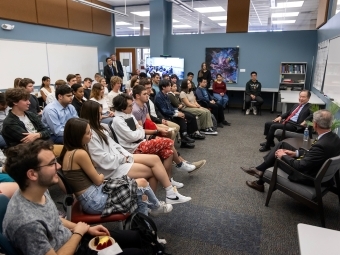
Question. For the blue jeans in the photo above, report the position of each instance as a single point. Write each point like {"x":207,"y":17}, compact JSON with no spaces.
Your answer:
{"x":222,"y":100}
{"x":151,"y":201}
{"x":57,"y":139}
{"x":3,"y":144}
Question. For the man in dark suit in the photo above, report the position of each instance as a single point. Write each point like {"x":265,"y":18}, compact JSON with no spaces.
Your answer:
{"x":298,"y":114}
{"x":109,"y":71}
{"x":118,"y":65}
{"x":308,"y":162}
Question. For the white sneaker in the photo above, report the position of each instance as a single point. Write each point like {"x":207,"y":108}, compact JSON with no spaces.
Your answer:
{"x":210,"y":132}
{"x":247,"y":111}
{"x":254,"y":110}
{"x":162,"y":209}
{"x":186,"y":167}
{"x":177,"y":199}
{"x":197,"y":164}
{"x":178,"y":185}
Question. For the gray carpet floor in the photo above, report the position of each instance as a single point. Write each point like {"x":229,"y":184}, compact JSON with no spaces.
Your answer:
{"x":224,"y":215}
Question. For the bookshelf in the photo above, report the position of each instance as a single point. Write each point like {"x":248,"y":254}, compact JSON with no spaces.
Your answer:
{"x":293,"y":75}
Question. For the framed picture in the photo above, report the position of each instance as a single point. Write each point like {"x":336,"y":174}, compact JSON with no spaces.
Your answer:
{"x":223,"y":61}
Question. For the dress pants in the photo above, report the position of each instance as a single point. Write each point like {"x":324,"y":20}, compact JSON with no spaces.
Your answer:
{"x":191,"y":122}
{"x":217,"y":110}
{"x":258,"y":99}
{"x":270,"y":158}
{"x":270,"y":128}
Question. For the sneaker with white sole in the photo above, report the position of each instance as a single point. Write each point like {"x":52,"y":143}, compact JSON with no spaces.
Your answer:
{"x":254,"y":110}
{"x":197,"y":164}
{"x":186,"y":167}
{"x":210,"y":132}
{"x":177,"y":199}
{"x":178,"y":185}
{"x":162,"y":209}
{"x":247,"y":111}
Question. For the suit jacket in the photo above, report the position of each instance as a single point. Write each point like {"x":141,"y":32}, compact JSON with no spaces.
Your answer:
{"x":108,"y":74}
{"x":305,"y":114}
{"x":327,"y":147}
{"x":120,"y":69}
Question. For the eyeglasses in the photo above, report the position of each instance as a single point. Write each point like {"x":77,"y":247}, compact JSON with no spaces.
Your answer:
{"x":54,"y":162}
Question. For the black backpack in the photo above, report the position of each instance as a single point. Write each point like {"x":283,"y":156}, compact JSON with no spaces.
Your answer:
{"x":148,"y":232}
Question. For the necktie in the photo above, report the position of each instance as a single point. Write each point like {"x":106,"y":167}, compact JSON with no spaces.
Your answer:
{"x":292,"y":114}
{"x":112,"y":70}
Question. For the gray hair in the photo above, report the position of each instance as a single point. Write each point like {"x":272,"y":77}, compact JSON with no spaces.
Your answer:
{"x":323,"y":118}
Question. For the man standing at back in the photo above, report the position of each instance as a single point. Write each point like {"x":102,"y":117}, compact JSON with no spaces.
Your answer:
{"x":57,"y":113}
{"x":298,"y":115}
{"x":118,"y":65}
{"x":109,"y":71}
{"x":253,"y":93}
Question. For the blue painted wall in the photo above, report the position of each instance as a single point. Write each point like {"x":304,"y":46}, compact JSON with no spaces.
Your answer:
{"x":132,"y":41}
{"x":39,"y":33}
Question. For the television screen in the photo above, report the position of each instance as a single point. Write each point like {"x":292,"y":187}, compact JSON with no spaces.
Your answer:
{"x":165,"y":66}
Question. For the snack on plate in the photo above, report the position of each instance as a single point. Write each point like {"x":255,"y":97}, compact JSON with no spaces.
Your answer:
{"x":102,"y":242}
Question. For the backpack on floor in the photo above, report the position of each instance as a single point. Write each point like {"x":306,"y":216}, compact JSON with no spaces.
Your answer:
{"x":148,"y":232}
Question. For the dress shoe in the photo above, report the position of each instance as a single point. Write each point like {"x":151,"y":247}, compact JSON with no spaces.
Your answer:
{"x":187,"y":145}
{"x":220,"y":125}
{"x":264,"y":148}
{"x":264,"y":144}
{"x":186,"y":139}
{"x":254,"y":185}
{"x":197,"y":136}
{"x":226,"y":123}
{"x":252,"y":171}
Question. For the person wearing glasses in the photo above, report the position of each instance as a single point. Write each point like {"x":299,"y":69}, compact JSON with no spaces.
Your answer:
{"x":21,"y":125}
{"x":32,"y":223}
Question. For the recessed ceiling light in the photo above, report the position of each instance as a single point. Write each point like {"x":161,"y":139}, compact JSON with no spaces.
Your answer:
{"x":218,"y":18}
{"x":142,"y":14}
{"x":288,"y":4}
{"x":174,"y":21}
{"x":222,"y":24}
{"x":283,"y":21}
{"x":122,"y":23}
{"x":210,"y":9}
{"x":137,"y":28}
{"x":181,"y":26}
{"x":285,"y":14}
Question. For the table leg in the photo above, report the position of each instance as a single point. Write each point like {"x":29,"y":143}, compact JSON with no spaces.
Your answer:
{"x":273,"y":102}
{"x":284,"y":107}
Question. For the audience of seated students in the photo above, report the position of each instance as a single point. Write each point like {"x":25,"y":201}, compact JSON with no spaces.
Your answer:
{"x":205,"y":74}
{"x":71,"y":79}
{"x":113,"y":161}
{"x":97,"y":94}
{"x":208,"y":101}
{"x":174,"y":80}
{"x":163,"y":103}
{"x":21,"y":125}
{"x":220,"y":91}
{"x":87,"y":87}
{"x":57,"y":113}
{"x":78,"y":97}
{"x":32,"y":223}
{"x":128,"y":83}
{"x":190,"y":118}
{"x":88,"y":185}
{"x":27,"y":84}
{"x":190,"y":105}
{"x":132,"y":137}
{"x":51,"y":97}
{"x":155,"y":77}
{"x":253,"y":93}
{"x":116,"y":83}
{"x":46,"y":89}
{"x":16,"y":82}
{"x":142,"y":75}
{"x":97,"y":76}
{"x":134,"y":82}
{"x":102,"y":81}
{"x":308,"y":162}
{"x":190,"y":77}
{"x":4,"y":110}
{"x":165,"y":77}
{"x":294,"y":120}
{"x":78,"y":78}
{"x":160,"y":121}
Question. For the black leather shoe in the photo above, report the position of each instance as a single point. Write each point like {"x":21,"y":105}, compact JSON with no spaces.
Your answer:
{"x":264,"y":144}
{"x":220,"y":125}
{"x":226,"y":123}
{"x":197,"y":136}
{"x":254,"y":185}
{"x":264,"y":148}
{"x":187,"y":145}
{"x":252,"y":171}
{"x":187,"y":139}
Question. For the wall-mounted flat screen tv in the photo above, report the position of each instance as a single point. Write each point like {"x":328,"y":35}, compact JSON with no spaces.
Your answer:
{"x":165,"y":66}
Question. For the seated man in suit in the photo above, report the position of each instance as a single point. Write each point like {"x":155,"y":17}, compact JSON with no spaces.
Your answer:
{"x":253,"y":92}
{"x":298,"y":114}
{"x":203,"y":95}
{"x":308,"y":162}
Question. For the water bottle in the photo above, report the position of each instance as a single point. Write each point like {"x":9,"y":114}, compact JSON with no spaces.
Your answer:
{"x":306,"y":135}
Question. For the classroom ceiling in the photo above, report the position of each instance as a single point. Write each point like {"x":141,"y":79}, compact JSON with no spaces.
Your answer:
{"x":262,"y":16}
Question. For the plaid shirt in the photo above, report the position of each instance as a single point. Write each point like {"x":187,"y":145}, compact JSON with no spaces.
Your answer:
{"x":122,"y":195}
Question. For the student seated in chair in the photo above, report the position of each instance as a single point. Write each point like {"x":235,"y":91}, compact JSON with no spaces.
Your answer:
{"x":219,"y":91}
{"x":32,"y":223}
{"x":298,"y":114}
{"x":216,"y":108}
{"x":308,"y":162}
{"x":253,"y":93}
{"x":27,"y":84}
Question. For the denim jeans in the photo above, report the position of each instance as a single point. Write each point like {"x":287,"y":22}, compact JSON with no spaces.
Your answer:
{"x":93,"y":200}
{"x":151,"y":201}
{"x":222,"y":100}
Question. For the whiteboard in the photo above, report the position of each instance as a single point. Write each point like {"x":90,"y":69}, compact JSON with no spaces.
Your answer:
{"x":320,"y":65}
{"x":331,"y":86}
{"x":23,"y":60}
{"x":35,"y":60}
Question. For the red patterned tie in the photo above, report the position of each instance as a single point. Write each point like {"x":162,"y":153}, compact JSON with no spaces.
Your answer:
{"x":292,"y":114}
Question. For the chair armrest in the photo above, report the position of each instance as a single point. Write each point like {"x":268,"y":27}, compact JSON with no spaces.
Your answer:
{"x":294,"y":170}
{"x":310,"y":129}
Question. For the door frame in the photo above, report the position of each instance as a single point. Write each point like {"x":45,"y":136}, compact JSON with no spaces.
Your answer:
{"x":128,"y":50}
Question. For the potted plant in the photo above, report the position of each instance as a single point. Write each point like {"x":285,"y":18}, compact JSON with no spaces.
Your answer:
{"x":333,"y":108}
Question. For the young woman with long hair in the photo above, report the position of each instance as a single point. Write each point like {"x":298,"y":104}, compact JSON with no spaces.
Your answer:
{"x":113,"y":160}
{"x":88,"y":184}
{"x":220,"y":90}
{"x":97,"y":94}
{"x":45,"y":88}
{"x":78,"y":96}
{"x":204,"y":73}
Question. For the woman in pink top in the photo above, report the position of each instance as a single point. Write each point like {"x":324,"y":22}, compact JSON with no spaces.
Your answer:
{"x":220,"y":90}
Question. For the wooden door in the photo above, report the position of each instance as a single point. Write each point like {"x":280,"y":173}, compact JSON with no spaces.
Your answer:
{"x":128,"y":50}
